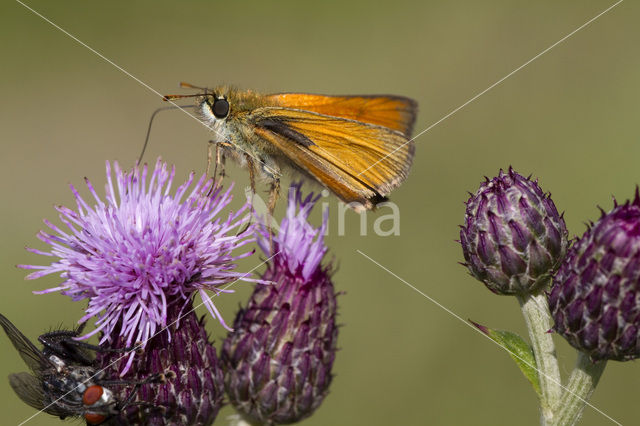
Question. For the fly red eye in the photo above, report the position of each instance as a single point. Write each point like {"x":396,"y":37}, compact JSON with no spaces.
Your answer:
{"x":92,"y":395}
{"x":94,"y":419}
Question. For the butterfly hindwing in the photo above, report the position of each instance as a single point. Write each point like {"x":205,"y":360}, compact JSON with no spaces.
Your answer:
{"x":368,"y":159}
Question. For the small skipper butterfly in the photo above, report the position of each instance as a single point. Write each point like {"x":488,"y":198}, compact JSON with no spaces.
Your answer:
{"x":358,"y":147}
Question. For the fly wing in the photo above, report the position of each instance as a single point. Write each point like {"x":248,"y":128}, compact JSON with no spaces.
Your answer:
{"x":30,"y":390}
{"x":390,"y":111}
{"x":31,"y":355}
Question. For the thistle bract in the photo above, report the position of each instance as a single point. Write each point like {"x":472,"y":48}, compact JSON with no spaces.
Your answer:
{"x":595,"y":300}
{"x":278,"y":359}
{"x":193,"y":396}
{"x":513,"y":238}
{"x":144,"y":249}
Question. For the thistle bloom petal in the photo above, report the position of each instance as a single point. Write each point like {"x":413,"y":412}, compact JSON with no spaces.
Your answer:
{"x":595,"y":300}
{"x":278,"y":359}
{"x":143,"y":249}
{"x":513,"y":238}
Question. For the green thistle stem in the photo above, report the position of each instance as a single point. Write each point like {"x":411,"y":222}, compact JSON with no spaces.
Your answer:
{"x":583,"y":381}
{"x":538,"y":319}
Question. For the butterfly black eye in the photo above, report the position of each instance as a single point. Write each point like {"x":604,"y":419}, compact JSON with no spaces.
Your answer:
{"x":220,"y":108}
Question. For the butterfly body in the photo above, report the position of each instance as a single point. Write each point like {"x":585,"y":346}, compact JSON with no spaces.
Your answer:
{"x":236,"y":133}
{"x":358,"y":147}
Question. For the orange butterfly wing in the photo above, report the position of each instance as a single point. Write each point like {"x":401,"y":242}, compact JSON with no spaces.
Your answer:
{"x":393,"y":112}
{"x":358,"y":161}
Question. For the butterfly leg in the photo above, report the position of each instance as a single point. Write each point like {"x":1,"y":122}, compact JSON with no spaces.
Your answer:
{"x":274,"y":193}
{"x":252,"y":174}
{"x":252,"y":182}
{"x":212,"y":145}
{"x":220,"y":160}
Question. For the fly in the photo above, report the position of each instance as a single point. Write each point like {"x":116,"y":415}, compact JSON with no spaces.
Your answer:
{"x":64,"y":380}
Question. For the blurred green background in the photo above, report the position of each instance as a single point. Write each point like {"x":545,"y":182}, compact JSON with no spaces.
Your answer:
{"x":569,"y":118}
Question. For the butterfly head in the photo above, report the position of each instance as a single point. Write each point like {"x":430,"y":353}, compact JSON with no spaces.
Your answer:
{"x":214,"y":107}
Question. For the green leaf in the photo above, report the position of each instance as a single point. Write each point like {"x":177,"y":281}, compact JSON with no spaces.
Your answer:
{"x":519,"y":350}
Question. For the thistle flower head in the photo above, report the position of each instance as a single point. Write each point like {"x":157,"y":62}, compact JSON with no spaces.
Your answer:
{"x":595,"y":299}
{"x":143,"y":248}
{"x":278,"y":359}
{"x":299,"y":247}
{"x":513,"y":238}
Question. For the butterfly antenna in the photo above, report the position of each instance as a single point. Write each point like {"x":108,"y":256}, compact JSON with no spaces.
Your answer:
{"x":146,"y":139}
{"x":186,"y":85}
{"x":168,"y":98}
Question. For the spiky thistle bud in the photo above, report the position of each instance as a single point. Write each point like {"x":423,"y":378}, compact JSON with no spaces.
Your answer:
{"x":595,"y":299}
{"x":513,"y":238}
{"x":278,"y":359}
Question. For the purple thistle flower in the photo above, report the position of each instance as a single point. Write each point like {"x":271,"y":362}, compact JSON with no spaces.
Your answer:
{"x":143,"y":250}
{"x":513,"y":238}
{"x":595,"y":300}
{"x":278,"y":359}
{"x":298,"y":247}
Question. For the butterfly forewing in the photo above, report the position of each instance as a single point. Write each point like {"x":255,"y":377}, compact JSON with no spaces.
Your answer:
{"x":390,"y":111}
